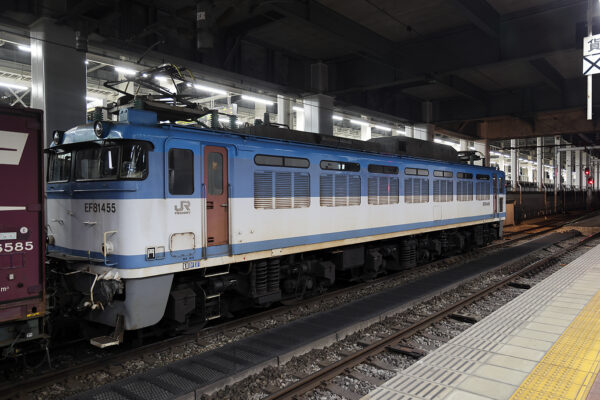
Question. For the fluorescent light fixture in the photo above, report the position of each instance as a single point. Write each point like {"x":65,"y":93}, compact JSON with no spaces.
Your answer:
{"x":382,"y":128}
{"x":87,"y":62}
{"x":400,"y":132}
{"x":90,"y":98}
{"x":336,"y":118}
{"x":161,"y":78}
{"x":210,"y":89}
{"x":24,"y":48}
{"x":358,"y":122}
{"x":238,"y":122}
{"x":126,"y":71}
{"x":298,"y":109}
{"x":144,"y":75}
{"x":471,"y":147}
{"x":257,"y":100}
{"x":438,"y":140}
{"x":13,"y":86}
{"x":224,"y":120}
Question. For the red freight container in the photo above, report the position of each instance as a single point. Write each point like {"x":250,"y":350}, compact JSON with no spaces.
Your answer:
{"x":22,"y":237}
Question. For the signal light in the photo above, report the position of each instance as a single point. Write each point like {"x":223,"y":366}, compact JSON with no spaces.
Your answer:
{"x":590,"y":181}
{"x":586,"y":171}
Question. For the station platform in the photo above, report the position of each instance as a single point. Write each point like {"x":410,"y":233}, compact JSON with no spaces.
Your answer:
{"x":544,"y":344}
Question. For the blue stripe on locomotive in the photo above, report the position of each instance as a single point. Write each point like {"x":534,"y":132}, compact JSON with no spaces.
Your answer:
{"x":242,"y":150}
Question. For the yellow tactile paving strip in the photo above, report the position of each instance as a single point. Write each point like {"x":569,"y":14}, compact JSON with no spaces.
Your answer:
{"x":568,"y":369}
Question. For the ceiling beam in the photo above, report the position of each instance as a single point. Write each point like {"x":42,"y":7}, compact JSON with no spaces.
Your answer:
{"x":481,"y":14}
{"x":550,"y":75}
{"x":325,"y":19}
{"x":464,"y":88}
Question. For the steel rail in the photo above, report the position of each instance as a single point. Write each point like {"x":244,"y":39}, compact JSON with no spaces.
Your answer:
{"x":314,"y":380}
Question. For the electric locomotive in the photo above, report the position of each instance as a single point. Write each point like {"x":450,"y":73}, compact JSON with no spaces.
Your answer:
{"x":154,"y":221}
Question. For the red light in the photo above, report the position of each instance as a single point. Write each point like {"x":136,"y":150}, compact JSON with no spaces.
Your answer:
{"x":586,"y":171}
{"x":590,"y":181}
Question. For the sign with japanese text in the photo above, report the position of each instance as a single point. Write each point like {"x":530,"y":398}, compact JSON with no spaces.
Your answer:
{"x":591,"y":55}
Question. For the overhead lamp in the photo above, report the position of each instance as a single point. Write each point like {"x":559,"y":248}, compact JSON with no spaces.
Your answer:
{"x":24,"y":48}
{"x":382,"y":128}
{"x":298,"y":109}
{"x":224,"y":120}
{"x":358,"y":122}
{"x":13,"y":86}
{"x":126,"y":71}
{"x":400,"y":132}
{"x":471,"y":147}
{"x":86,"y":62}
{"x":257,"y":100}
{"x":161,"y":78}
{"x":210,"y":89}
{"x":336,"y":118}
{"x":90,"y":98}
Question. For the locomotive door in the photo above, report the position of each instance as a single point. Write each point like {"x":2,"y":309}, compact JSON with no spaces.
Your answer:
{"x":217,"y":196}
{"x":495,"y":192}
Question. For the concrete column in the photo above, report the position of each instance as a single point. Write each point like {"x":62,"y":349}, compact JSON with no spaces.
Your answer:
{"x":58,"y":77}
{"x":569,"y":167}
{"x":514,"y":163}
{"x":284,"y":108}
{"x":578,"y":172}
{"x":365,"y":132}
{"x":557,"y":161}
{"x":409,"y":131}
{"x":299,"y":119}
{"x":318,"y":113}
{"x":584,"y":157}
{"x":464,"y":145}
{"x":483,"y":146}
{"x":259,"y":111}
{"x":424,"y":132}
{"x":540,"y":163}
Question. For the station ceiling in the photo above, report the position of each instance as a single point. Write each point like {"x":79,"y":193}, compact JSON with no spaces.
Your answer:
{"x":516,"y":64}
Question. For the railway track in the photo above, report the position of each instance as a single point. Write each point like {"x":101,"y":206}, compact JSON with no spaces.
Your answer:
{"x":21,"y":390}
{"x":328,"y":373}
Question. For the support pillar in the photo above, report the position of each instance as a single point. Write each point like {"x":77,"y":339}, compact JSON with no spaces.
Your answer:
{"x":578,"y":172}
{"x":540,"y":163}
{"x":259,"y":111}
{"x":569,"y":168}
{"x":514,"y":164}
{"x":424,"y":132}
{"x":464,"y":145}
{"x":409,"y":131}
{"x":483,"y":146}
{"x":557,"y":163}
{"x":284,"y":108}
{"x":58,"y":77}
{"x":365,"y":132}
{"x":584,"y":162}
{"x":318,"y":114}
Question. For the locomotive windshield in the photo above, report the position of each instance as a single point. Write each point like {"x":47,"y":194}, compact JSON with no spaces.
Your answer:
{"x":100,"y":161}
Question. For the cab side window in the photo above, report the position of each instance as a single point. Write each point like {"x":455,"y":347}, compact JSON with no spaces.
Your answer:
{"x":181,"y":171}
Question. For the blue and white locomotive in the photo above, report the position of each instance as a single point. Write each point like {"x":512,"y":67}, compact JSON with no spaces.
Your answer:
{"x":151,"y":222}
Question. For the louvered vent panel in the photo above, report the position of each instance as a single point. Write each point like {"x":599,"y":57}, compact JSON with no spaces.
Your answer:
{"x":326,"y":188}
{"x":408,"y":190}
{"x":283,"y":190}
{"x":384,"y":190}
{"x":372,"y":190}
{"x":301,"y":190}
{"x":425,"y":191}
{"x":341,"y":190}
{"x":263,"y":190}
{"x":354,"y":191}
{"x":394,"y":190}
{"x":469,"y":191}
{"x":449,"y":191}
{"x":436,"y":190}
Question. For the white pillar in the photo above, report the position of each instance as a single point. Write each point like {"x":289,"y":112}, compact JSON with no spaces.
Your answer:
{"x":58,"y":77}
{"x":464,"y":145}
{"x":540,"y":163}
{"x":557,"y":161}
{"x":259,"y":111}
{"x":283,"y":110}
{"x":365,"y":132}
{"x":483,"y":146}
{"x":299,"y":119}
{"x":514,"y":163}
{"x":569,"y":167}
{"x":318,"y":113}
{"x":578,"y":169}
{"x":409,"y":131}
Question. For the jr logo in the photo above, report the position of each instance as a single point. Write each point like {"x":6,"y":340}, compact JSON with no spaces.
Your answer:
{"x":183,"y":208}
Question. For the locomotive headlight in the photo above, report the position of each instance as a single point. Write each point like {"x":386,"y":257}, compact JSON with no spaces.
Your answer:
{"x":101,"y":128}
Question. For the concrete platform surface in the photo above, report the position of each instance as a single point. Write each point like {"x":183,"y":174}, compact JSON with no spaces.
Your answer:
{"x":545,"y":344}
